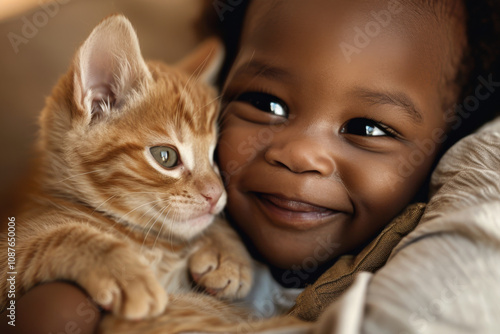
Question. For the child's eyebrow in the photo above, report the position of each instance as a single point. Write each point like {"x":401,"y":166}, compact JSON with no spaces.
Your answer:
{"x":258,"y":68}
{"x":398,"y":99}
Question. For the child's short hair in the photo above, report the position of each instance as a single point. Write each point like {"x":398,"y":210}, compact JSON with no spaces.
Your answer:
{"x":480,"y":61}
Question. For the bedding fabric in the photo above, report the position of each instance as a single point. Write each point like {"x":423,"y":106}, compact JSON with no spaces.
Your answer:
{"x":332,"y":284}
{"x":444,"y":276}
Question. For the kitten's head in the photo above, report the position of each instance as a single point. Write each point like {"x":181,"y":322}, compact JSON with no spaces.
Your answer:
{"x":135,"y":140}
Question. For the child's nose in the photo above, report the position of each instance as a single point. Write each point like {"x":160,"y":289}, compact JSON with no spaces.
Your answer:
{"x":300,"y":155}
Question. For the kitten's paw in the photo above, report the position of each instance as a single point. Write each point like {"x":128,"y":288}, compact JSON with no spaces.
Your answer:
{"x":125,"y":286}
{"x":221,"y":273}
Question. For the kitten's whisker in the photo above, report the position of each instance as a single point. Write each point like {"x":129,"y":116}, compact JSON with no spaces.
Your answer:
{"x":94,"y":171}
{"x":161,"y":226}
{"x":221,"y":123}
{"x":96,"y":208}
{"x":177,"y":220}
{"x":221,"y":132}
{"x":172,"y":223}
{"x":151,"y":208}
{"x":183,"y":92}
{"x":195,"y":75}
{"x":203,"y":107}
{"x":191,"y":121}
{"x":150,"y":219}
{"x":139,"y":206}
{"x":153,"y":224}
{"x":199,"y":69}
{"x":221,"y":118}
{"x":123,"y":195}
{"x":121,"y":219}
{"x":169,"y":236}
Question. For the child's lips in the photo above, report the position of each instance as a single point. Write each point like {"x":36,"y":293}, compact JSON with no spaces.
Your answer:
{"x":293,"y":205}
{"x":293,"y":213}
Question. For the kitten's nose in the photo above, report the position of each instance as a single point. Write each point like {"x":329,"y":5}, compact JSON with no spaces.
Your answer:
{"x":212,"y":192}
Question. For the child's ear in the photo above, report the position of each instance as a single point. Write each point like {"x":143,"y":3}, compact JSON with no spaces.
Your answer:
{"x":205,"y":61}
{"x":109,"y":68}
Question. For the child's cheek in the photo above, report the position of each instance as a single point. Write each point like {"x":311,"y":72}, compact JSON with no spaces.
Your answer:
{"x":238,"y":146}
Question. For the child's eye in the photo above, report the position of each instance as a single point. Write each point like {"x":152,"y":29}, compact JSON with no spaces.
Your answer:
{"x":368,"y":128}
{"x":265,"y":102}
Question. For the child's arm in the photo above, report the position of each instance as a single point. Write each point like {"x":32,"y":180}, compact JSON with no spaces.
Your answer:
{"x":55,"y":307}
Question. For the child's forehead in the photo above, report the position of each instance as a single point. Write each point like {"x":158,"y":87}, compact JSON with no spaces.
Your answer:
{"x":390,"y":14}
{"x":358,"y":29}
{"x":352,"y":27}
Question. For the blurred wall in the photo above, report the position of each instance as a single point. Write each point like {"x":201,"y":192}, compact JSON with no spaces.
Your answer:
{"x":37,"y":45}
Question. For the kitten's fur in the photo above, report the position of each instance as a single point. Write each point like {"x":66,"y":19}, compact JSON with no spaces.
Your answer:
{"x":106,"y":215}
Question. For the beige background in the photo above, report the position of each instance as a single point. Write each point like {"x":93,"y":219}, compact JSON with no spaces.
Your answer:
{"x":27,"y":77}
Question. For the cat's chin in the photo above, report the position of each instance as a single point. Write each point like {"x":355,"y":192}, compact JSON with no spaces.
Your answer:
{"x":200,"y":222}
{"x":192,"y":227}
{"x":183,"y":230}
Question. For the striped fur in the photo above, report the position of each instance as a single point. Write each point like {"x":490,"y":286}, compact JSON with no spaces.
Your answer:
{"x":103,"y":213}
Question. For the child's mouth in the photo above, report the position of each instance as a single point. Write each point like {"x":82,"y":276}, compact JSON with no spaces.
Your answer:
{"x":285,"y":211}
{"x":292,"y":205}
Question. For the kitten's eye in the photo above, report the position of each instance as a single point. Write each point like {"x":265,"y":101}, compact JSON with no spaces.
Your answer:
{"x":265,"y":102}
{"x":166,"y":156}
{"x":366,"y":127}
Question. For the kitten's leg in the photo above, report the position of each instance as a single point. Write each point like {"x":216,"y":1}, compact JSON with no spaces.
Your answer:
{"x":221,"y":264}
{"x":111,"y":272}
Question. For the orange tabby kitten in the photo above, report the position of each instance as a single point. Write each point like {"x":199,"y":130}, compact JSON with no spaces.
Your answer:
{"x":127,"y":186}
{"x":127,"y":192}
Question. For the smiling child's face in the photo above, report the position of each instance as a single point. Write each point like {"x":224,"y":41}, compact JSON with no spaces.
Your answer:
{"x":325,"y":136}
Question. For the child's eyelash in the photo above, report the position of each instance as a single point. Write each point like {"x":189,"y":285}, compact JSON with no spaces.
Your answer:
{"x":390,"y":131}
{"x":232,"y":95}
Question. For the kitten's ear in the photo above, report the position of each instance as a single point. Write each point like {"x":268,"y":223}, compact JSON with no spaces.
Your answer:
{"x":205,"y":61}
{"x":109,"y":68}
